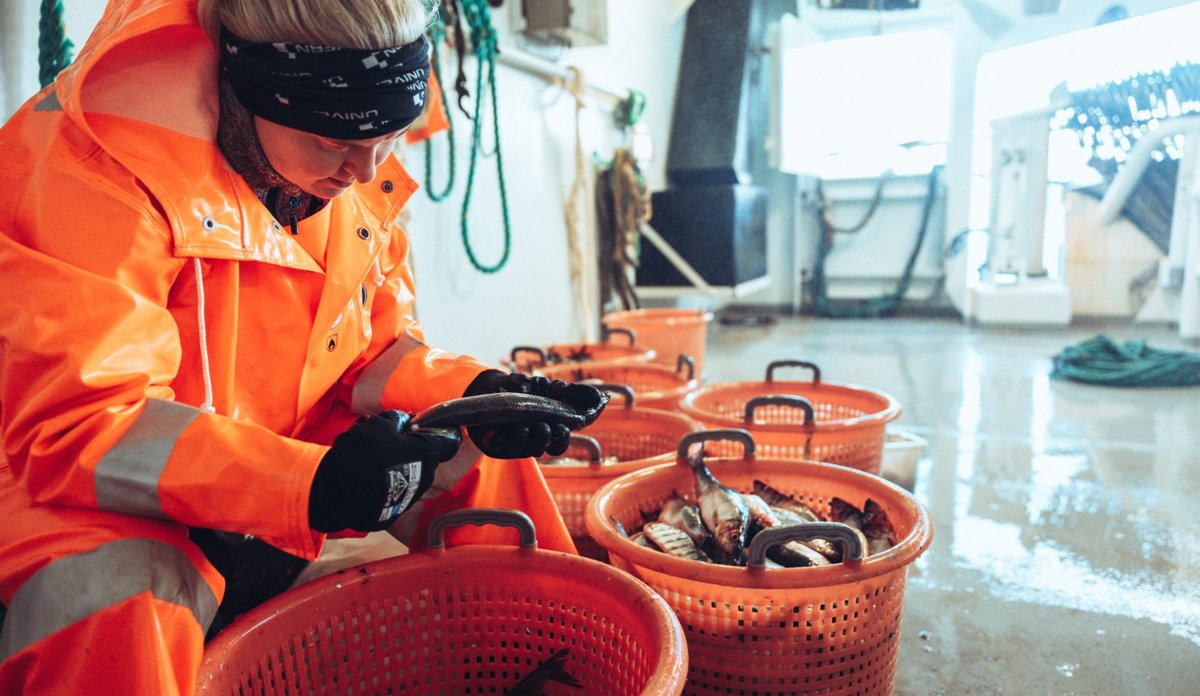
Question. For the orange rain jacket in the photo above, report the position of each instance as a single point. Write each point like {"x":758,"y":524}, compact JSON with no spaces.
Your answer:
{"x":169,"y":355}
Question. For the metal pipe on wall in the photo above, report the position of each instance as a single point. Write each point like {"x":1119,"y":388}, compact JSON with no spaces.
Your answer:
{"x":541,"y":67}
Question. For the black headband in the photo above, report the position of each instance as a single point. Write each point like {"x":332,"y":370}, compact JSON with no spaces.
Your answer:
{"x":343,"y":93}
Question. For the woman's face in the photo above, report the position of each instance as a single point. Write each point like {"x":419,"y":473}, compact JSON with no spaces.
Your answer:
{"x":323,"y":167}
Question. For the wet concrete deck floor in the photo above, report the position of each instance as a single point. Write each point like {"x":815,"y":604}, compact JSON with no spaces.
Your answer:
{"x":1066,"y":551}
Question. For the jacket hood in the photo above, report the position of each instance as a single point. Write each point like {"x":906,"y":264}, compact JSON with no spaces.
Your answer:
{"x":144,"y":86}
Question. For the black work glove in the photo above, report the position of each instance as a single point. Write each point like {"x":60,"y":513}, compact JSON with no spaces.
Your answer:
{"x":374,"y":471}
{"x":515,"y":440}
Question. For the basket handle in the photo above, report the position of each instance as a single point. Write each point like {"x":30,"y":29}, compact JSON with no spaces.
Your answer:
{"x":528,"y":349}
{"x":794,"y":363}
{"x":810,"y":421}
{"x":605,"y":332}
{"x":623,"y":390}
{"x":686,"y":360}
{"x":854,"y":544}
{"x":589,"y":444}
{"x":697,"y":436}
{"x":480,"y":516}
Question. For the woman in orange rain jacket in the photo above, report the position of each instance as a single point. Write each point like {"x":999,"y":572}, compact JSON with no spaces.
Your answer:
{"x":207,"y":339}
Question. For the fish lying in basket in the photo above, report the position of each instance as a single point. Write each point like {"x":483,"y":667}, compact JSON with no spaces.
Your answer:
{"x":720,"y":525}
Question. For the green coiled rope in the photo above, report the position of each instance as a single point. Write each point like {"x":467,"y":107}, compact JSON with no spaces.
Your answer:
{"x":1101,"y":360}
{"x":54,"y":48}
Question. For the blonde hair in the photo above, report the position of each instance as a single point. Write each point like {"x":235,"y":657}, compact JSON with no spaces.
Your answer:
{"x":360,"y":24}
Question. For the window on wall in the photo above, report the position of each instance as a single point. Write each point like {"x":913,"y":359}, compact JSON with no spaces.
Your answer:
{"x":858,"y":107}
{"x":1022,"y":79}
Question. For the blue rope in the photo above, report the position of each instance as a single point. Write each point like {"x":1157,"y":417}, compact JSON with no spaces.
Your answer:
{"x":1101,"y":360}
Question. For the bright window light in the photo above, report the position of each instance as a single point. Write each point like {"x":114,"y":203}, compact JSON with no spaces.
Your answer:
{"x":1020,"y":79}
{"x":850,"y":107}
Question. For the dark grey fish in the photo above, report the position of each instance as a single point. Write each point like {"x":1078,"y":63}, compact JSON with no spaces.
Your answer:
{"x":877,"y":528}
{"x":846,"y":513}
{"x":779,"y":499}
{"x":821,"y":546}
{"x":552,"y":669}
{"x":674,"y":541}
{"x":793,"y":554}
{"x":724,"y":513}
{"x":685,"y":515}
{"x":641,"y":540}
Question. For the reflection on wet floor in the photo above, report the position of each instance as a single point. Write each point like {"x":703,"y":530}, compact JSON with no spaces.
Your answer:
{"x":1066,"y":551}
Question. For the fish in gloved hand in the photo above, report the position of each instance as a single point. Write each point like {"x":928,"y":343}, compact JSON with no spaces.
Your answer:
{"x":531,"y":435}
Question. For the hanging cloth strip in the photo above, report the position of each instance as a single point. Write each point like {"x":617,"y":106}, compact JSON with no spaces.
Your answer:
{"x":483,"y":38}
{"x":1101,"y":360}
{"x":581,"y":261}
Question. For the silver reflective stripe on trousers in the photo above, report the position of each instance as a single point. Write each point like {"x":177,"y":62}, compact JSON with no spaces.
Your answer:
{"x":367,"y":396}
{"x":76,"y":587}
{"x":127,"y":476}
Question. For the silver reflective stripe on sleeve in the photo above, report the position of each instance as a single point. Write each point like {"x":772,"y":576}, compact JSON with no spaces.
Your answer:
{"x":367,"y":396}
{"x":127,"y":476}
{"x":76,"y":587}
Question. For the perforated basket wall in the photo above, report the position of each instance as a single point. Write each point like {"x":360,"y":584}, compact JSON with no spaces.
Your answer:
{"x":654,"y":386}
{"x":770,"y":632}
{"x":670,"y":332}
{"x":470,"y":620}
{"x":850,"y":421}
{"x":638,"y":437}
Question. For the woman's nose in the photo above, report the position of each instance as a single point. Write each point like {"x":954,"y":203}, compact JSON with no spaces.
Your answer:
{"x":361,"y":163}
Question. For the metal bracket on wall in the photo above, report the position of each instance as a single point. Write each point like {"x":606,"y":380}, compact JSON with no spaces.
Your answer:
{"x":720,"y":292}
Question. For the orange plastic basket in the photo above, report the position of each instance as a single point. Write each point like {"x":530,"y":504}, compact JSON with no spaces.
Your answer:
{"x":638,"y":437}
{"x":670,"y":332}
{"x":528,"y":358}
{"x":840,"y":423}
{"x":769,"y":631}
{"x":654,"y":386}
{"x":467,"y":620}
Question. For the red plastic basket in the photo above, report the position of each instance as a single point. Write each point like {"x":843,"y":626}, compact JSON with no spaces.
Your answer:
{"x":465,"y":620}
{"x":762,"y":631}
{"x":839,"y":423}
{"x":528,"y":358}
{"x":670,"y":332}
{"x":638,"y":437}
{"x":654,"y":386}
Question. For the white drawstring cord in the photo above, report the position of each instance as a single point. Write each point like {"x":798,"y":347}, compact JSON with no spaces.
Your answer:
{"x":208,"y":390}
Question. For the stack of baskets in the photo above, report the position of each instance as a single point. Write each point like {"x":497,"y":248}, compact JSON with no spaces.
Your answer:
{"x":653,"y":385}
{"x":466,"y":620}
{"x":636,"y":437}
{"x":770,"y":631}
{"x":671,"y":332}
{"x":528,"y":358}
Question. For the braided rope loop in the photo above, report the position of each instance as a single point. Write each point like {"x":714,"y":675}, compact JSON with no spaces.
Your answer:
{"x":54,"y":48}
{"x":484,"y":39}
